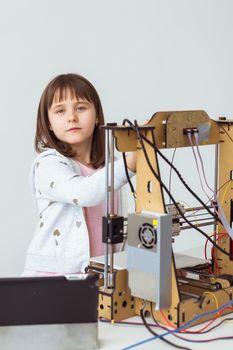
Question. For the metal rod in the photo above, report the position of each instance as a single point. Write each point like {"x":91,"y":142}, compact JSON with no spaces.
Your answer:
{"x":111,"y":265}
{"x":196,"y":281}
{"x":216,"y":178}
{"x":196,"y":215}
{"x":112,"y":175}
{"x":197,"y":208}
{"x":106,"y":205}
{"x":112,"y":213}
{"x":199,"y":273}
{"x":204,"y":224}
{"x":196,"y":296}
{"x":197,"y":220}
{"x":206,"y":287}
{"x":106,"y":172}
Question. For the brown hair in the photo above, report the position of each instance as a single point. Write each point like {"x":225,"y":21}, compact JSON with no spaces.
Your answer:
{"x":79,"y":87}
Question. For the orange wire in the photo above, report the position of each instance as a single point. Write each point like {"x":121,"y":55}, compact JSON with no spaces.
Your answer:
{"x":199,"y":330}
{"x":166,"y":320}
{"x":220,"y":235}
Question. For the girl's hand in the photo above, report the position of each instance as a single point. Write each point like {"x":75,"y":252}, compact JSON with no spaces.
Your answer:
{"x":131,"y":159}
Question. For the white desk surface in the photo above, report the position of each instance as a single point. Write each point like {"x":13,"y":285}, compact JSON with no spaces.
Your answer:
{"x":181,"y":259}
{"x":120,"y":336}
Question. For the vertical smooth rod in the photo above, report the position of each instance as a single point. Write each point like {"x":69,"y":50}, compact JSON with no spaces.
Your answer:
{"x":216,"y":177}
{"x":112,"y":175}
{"x":107,"y":204}
{"x":112,"y":196}
{"x":216,"y":170}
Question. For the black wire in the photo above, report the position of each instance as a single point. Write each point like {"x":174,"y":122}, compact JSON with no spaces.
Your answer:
{"x":226,"y":182}
{"x":157,"y":324}
{"x":127,"y":175}
{"x":170,"y":173}
{"x":153,"y":145}
{"x":180,"y":177}
{"x":226,"y":133}
{"x":160,"y":326}
{"x":155,"y":321}
{"x":156,"y":334}
{"x":135,"y":127}
{"x":170,"y":195}
{"x":177,"y":207}
{"x":192,"y":340}
{"x":169,"y":183}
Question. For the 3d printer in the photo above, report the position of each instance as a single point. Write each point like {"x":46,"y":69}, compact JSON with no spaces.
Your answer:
{"x":149,"y":280}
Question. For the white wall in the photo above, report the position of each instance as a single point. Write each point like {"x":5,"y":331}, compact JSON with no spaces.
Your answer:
{"x":142,"y":56}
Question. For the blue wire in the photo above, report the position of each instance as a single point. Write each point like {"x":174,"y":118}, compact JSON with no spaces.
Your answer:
{"x":180,"y":328}
{"x":139,"y":343}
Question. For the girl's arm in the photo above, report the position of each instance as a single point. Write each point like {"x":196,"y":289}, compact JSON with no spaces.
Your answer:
{"x":55,"y":180}
{"x":131,"y":159}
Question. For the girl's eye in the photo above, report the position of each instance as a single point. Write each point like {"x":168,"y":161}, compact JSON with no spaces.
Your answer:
{"x":81,"y":108}
{"x":60,"y":111}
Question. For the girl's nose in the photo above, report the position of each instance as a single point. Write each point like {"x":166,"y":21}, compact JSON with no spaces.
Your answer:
{"x":72,"y":116}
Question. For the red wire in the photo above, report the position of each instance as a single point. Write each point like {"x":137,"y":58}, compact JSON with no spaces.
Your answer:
{"x":200,"y":330}
{"x":220,"y":235}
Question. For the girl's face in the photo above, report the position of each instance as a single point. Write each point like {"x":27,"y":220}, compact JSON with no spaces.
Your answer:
{"x":72,"y":121}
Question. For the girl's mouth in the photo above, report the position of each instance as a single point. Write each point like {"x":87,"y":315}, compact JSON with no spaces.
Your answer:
{"x":74,"y":129}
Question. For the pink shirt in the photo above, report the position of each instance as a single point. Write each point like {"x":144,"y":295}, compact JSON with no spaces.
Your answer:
{"x":93,"y":216}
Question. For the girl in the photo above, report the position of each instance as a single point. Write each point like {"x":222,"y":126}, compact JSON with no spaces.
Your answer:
{"x":68,"y":178}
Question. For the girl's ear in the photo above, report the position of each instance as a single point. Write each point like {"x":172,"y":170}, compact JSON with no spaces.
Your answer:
{"x":50,"y":127}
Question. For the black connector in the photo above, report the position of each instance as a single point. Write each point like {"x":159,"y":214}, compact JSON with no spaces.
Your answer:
{"x":113,"y":229}
{"x":187,"y":131}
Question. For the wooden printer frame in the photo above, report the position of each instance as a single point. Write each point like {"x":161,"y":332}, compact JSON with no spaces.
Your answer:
{"x":212,"y":290}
